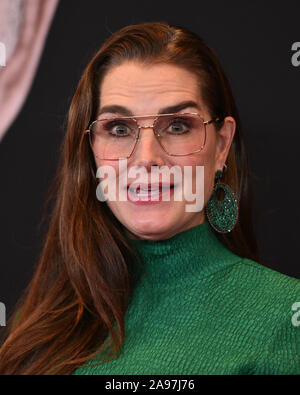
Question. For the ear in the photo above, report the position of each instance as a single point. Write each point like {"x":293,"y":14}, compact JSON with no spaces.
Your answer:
{"x":223,"y":142}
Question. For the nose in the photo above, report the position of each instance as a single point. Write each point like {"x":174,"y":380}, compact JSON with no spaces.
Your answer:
{"x":148,"y":151}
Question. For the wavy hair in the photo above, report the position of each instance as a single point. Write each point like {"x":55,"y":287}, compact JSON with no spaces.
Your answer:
{"x":75,"y":305}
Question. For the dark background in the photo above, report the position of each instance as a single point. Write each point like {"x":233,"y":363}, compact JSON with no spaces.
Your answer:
{"x":253,"y":41}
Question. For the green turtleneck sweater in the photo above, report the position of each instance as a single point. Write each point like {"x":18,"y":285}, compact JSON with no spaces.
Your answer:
{"x":204,"y":310}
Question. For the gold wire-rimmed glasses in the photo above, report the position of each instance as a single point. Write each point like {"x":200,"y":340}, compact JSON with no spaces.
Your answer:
{"x":178,"y":134}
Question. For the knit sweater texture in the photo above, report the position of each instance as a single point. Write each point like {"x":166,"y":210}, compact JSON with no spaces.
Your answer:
{"x":201,"y":309}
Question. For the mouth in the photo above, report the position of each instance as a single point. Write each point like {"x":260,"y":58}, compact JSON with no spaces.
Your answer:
{"x":149,"y":192}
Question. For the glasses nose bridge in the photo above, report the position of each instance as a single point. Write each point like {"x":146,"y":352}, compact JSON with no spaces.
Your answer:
{"x":148,"y":126}
{"x":145,"y":127}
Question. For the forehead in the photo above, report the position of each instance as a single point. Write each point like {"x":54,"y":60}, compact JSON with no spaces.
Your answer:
{"x":147,"y":88}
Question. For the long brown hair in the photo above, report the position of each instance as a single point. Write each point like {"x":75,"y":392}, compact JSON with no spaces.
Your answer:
{"x":75,"y":305}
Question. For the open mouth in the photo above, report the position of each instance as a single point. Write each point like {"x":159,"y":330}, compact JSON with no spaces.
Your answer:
{"x":152,"y":190}
{"x":147,"y":192}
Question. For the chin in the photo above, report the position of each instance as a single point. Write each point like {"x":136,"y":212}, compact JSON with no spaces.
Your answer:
{"x":151,"y":229}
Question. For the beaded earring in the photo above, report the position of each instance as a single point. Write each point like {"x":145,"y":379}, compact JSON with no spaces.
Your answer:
{"x":222,"y":214}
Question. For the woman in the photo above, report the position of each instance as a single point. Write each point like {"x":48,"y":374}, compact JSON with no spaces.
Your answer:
{"x":145,"y":285}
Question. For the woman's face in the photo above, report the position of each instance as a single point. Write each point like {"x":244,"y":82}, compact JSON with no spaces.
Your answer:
{"x":147,"y":89}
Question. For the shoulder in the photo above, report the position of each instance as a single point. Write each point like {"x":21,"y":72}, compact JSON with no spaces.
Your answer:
{"x":266,"y":294}
{"x":270,"y":301}
{"x":270,"y":281}
{"x":278,"y":299}
{"x":247,"y":272}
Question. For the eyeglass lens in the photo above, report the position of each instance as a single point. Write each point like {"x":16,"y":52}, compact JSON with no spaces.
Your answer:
{"x":178,"y":134}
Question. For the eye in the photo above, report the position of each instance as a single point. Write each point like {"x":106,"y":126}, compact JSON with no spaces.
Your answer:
{"x":118,"y":128}
{"x":178,"y":126}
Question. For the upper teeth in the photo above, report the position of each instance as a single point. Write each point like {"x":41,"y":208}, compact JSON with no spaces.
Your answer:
{"x":147,"y":191}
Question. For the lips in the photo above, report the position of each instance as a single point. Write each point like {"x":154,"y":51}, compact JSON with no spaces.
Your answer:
{"x":147,"y":193}
{"x":146,"y":189}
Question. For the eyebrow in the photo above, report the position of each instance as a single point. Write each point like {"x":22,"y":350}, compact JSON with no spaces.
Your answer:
{"x":116,"y":109}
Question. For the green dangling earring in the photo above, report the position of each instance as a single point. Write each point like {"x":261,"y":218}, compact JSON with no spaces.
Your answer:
{"x":222,"y":214}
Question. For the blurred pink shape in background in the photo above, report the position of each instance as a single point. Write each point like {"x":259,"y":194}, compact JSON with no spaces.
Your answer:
{"x":24,"y":25}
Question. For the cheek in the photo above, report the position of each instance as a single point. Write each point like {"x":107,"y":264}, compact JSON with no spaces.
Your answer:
{"x":111,"y":166}
{"x":205,"y":159}
{"x":107,"y":176}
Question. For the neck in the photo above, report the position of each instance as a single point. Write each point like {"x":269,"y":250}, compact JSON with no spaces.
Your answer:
{"x":194,"y":252}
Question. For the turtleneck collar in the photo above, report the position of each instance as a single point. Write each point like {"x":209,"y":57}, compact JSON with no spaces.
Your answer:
{"x":194,"y":252}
